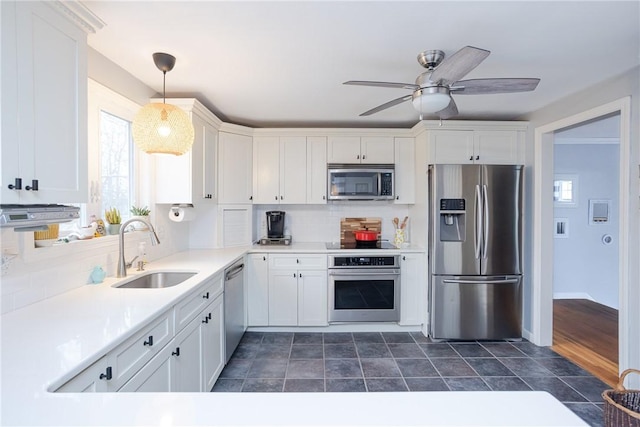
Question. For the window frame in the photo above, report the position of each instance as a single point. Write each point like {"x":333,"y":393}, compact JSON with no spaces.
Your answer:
{"x":102,"y":98}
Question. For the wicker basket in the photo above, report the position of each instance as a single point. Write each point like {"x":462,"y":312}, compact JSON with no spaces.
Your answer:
{"x":622,"y":406}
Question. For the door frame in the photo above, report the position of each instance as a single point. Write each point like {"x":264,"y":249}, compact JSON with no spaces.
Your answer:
{"x":542,"y":274}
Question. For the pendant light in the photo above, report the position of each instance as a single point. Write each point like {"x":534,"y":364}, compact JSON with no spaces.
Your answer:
{"x":161,"y":128}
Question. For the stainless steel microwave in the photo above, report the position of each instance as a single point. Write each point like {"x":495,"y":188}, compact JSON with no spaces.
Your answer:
{"x":360,"y":182}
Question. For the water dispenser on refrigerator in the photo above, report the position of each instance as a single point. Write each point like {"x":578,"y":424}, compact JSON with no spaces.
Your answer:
{"x":452,"y":220}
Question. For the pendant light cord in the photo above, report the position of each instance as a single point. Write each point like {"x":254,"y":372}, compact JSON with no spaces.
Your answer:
{"x":164,"y":88}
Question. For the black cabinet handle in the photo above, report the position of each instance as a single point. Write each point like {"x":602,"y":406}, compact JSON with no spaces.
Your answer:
{"x":276,"y":197}
{"x":150,"y":342}
{"x":264,"y":258}
{"x":206,"y":296}
{"x":358,"y":157}
{"x":471,"y":158}
{"x":297,"y":261}
{"x":206,"y":320}
{"x":209,"y":316}
{"x":250,"y":197}
{"x":107,"y":375}
{"x":17,"y":185}
{"x":300,"y":275}
{"x":397,"y":197}
{"x":404,"y":258}
{"x":324,"y":197}
{"x":364,"y":156}
{"x":33,"y":186}
{"x":477,"y":157}
{"x":176,"y":353}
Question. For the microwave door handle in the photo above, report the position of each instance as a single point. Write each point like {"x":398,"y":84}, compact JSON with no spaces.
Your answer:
{"x":379,"y":184}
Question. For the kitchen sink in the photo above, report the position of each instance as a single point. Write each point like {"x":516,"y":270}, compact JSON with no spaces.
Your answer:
{"x":158,"y":279}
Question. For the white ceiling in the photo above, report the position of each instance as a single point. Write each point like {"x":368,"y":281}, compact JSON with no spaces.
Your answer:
{"x":283,"y":63}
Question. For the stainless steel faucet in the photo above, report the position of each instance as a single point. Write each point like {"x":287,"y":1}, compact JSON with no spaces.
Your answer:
{"x":122,"y":263}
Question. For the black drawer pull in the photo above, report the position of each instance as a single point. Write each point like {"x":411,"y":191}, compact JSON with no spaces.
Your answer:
{"x":206,"y":296}
{"x":150,"y":342}
{"x":108,"y":375}
{"x":176,"y":353}
{"x":206,"y":320}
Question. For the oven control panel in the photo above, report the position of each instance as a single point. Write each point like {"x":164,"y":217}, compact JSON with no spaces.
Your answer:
{"x":389,"y":261}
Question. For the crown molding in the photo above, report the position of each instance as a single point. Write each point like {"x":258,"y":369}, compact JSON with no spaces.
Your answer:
{"x":79,"y":14}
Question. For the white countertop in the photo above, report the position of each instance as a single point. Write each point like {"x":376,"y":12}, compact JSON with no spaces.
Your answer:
{"x":44,"y":344}
{"x":321,"y":247}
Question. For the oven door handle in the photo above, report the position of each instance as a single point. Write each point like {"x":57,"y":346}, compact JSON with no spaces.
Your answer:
{"x":366,"y":272}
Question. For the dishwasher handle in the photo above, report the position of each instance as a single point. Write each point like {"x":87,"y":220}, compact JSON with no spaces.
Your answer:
{"x":233,"y":272}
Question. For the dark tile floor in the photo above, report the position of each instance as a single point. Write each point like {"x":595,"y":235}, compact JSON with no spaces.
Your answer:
{"x":403,"y":361}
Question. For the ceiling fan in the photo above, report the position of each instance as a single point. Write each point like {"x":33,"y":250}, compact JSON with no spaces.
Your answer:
{"x":433,"y":89}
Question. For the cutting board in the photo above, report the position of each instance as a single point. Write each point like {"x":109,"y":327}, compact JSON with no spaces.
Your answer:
{"x":349,"y":225}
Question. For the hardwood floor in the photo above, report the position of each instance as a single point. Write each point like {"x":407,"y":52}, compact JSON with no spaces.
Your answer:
{"x":586,"y":333}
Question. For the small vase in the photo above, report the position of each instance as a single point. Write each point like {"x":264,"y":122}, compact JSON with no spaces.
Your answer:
{"x":113,"y":228}
{"x":398,"y":239}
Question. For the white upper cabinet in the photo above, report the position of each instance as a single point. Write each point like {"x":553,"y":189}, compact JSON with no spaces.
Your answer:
{"x":190,"y":178}
{"x":356,"y":149}
{"x":235,"y":182}
{"x":44,"y":103}
{"x":317,"y":170}
{"x":280,"y":170}
{"x":476,"y":146}
{"x":405,"y":171}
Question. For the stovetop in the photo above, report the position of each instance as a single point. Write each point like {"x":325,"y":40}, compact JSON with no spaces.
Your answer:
{"x":354,"y":245}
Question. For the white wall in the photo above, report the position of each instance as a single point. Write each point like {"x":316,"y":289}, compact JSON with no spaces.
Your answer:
{"x":583,"y":265}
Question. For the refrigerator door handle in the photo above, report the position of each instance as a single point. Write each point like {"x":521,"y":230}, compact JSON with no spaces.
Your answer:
{"x":485,"y":231}
{"x":480,"y":282}
{"x":477,"y":235}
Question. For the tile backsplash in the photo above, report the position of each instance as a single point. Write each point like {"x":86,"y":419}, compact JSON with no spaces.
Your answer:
{"x":321,"y":223}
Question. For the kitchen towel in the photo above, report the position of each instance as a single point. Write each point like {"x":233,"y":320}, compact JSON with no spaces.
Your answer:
{"x":181,"y":213}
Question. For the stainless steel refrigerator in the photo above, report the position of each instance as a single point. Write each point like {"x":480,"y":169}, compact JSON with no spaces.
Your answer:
{"x":475,"y":252}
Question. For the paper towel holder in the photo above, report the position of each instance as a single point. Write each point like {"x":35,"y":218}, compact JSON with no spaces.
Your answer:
{"x":175,"y":208}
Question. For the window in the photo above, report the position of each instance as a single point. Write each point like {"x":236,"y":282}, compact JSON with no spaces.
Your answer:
{"x":116,"y":164}
{"x":565,"y":190}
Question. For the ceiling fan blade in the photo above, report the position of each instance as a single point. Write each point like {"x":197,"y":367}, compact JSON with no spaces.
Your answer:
{"x":450,"y":111}
{"x":382,"y":84}
{"x":387,"y":105}
{"x":458,"y":65}
{"x":488,"y":86}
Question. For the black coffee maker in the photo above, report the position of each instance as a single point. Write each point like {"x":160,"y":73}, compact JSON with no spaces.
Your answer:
{"x":275,"y":224}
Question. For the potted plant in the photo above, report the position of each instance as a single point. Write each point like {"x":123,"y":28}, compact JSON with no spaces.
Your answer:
{"x":114,"y":220}
{"x":140,"y":213}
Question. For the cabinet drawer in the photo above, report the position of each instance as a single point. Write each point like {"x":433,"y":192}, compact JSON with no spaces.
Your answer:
{"x":297,"y":261}
{"x":130,"y":356}
{"x":194,"y":303}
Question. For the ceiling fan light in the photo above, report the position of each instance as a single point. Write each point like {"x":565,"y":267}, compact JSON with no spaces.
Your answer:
{"x":162,"y":129}
{"x":431,"y":102}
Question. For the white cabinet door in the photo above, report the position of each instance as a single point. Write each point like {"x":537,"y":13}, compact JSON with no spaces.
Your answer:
{"x":235,"y":166}
{"x":156,"y":376}
{"x":210,"y":164}
{"x":413,"y":284}
{"x":44,"y":105}
{"x":212,"y":333}
{"x":266,"y":170}
{"x":498,"y":147}
{"x":316,"y":170}
{"x":258,"y":290}
{"x":376,"y":149}
{"x":405,"y":171}
{"x":451,"y":146}
{"x":343,"y":149}
{"x":190,"y":178}
{"x":312,"y":298}
{"x":187,"y":358}
{"x":283,"y":297}
{"x":95,"y":378}
{"x":293,"y":170}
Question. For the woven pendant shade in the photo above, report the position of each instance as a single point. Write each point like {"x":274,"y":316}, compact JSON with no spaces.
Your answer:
{"x":162,"y":129}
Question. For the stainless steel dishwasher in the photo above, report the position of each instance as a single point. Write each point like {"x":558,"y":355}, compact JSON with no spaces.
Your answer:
{"x":233,"y":307}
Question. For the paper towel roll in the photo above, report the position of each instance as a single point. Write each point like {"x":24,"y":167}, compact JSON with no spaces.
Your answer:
{"x":181,"y":214}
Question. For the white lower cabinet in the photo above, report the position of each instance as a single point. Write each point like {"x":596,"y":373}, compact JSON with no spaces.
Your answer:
{"x":413,"y":286}
{"x":155,"y":359}
{"x":211,"y":343}
{"x":297,"y":290}
{"x":258,"y":290}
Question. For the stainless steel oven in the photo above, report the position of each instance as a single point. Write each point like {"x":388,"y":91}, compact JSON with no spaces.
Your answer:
{"x":364,"y":288}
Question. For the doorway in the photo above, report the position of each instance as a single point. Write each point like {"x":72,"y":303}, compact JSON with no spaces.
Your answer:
{"x":543,"y":229}
{"x":586,"y":159}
